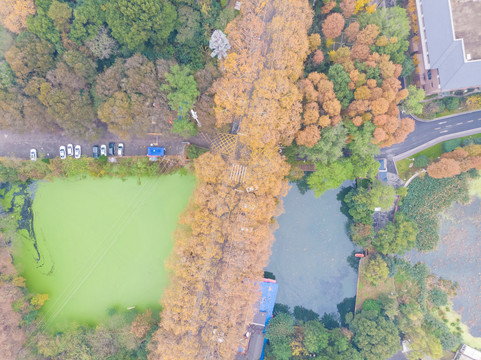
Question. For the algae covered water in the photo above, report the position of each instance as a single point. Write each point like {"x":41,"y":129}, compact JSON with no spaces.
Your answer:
{"x":101,"y":244}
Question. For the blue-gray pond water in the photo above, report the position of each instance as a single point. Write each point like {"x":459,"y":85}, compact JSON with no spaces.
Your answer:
{"x":309,"y":254}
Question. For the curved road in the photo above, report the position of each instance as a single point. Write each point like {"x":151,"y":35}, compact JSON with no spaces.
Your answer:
{"x":429,"y":133}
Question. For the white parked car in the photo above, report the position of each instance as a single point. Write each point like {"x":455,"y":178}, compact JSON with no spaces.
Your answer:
{"x":103,"y":150}
{"x":33,"y":154}
{"x":63,"y":153}
{"x":120,"y":149}
{"x":78,"y":151}
{"x":70,"y":150}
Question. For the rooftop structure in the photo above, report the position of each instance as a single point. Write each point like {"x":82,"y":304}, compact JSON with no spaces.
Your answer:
{"x":446,"y":62}
{"x":466,"y":352}
{"x":256,"y":330}
{"x":155,"y":152}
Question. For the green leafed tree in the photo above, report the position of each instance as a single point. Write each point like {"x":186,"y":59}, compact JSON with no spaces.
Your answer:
{"x":398,"y":237}
{"x":279,"y":333}
{"x":6,"y":75}
{"x":362,"y":201}
{"x":329,"y":148}
{"x":316,"y":336}
{"x":412,"y":104}
{"x":88,"y":17}
{"x":341,"y":80}
{"x":330,"y":176}
{"x":43,"y":26}
{"x":134,"y":23}
{"x":375,"y":336}
{"x":375,"y":270}
{"x":181,"y":88}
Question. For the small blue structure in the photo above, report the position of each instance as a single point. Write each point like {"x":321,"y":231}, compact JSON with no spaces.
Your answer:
{"x":257,"y":328}
{"x":268,"y":299}
{"x":382,"y":173}
{"x":154,"y":152}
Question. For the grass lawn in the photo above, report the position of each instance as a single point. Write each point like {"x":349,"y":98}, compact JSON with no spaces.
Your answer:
{"x":366,"y":291}
{"x":102,"y":244}
{"x":433,"y":152}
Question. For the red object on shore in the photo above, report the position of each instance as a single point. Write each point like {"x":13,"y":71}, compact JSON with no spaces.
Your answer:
{"x":359,"y":255}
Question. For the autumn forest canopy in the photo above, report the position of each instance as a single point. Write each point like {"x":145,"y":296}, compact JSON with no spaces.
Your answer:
{"x":302,"y":82}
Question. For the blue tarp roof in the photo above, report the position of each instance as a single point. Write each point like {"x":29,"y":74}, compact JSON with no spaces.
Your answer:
{"x":155,"y":151}
{"x":382,"y":176}
{"x":382,"y":165}
{"x":268,"y":299}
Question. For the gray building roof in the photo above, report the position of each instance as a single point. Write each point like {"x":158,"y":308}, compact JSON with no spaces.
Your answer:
{"x":444,"y":52}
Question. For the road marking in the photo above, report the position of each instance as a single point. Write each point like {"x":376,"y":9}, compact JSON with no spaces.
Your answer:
{"x":444,"y":122}
{"x":460,"y":123}
{"x":437,"y":128}
{"x":470,"y":121}
{"x":479,"y":119}
{"x":444,"y":131}
{"x":448,"y":126}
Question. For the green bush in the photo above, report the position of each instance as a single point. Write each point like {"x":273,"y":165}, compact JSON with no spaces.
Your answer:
{"x":452,"y":144}
{"x":438,"y":297}
{"x":184,"y":128}
{"x":371,"y":304}
{"x":451,"y":103}
{"x":467,"y":142}
{"x":193,"y":151}
{"x":421,"y":161}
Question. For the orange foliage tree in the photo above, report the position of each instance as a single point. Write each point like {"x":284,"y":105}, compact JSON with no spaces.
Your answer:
{"x":14,"y":14}
{"x":333,"y":26}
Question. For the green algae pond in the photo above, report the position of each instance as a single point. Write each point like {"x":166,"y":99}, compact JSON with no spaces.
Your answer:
{"x":101,"y":244}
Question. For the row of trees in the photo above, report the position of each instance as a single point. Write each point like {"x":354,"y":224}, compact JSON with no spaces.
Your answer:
{"x":224,"y":236}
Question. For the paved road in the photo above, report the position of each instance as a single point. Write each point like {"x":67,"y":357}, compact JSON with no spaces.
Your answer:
{"x":47,"y":145}
{"x":427,"y":134}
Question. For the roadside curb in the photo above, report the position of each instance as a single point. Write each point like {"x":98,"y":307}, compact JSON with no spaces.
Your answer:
{"x":443,"y":117}
{"x":434,"y":142}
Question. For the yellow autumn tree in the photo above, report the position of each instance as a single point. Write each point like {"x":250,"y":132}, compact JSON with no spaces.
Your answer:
{"x":14,"y":14}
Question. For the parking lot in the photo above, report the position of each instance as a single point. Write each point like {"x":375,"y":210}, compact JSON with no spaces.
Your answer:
{"x":47,"y":145}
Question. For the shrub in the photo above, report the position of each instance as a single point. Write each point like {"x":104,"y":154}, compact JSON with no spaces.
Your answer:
{"x":193,"y":151}
{"x":452,"y":144}
{"x":451,"y":103}
{"x":301,"y":313}
{"x":438,"y":297}
{"x":421,"y":161}
{"x":371,"y":304}
{"x":467,"y":142}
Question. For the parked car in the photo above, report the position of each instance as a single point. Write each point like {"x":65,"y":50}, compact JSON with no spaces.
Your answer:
{"x":120,"y":149}
{"x":78,"y":151}
{"x":33,"y":154}
{"x":96,"y":151}
{"x":70,"y":150}
{"x":103,"y":150}
{"x":111,"y":148}
{"x":63,"y":154}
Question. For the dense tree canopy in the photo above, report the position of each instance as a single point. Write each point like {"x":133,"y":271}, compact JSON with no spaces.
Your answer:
{"x":136,"y":22}
{"x":375,"y":336}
